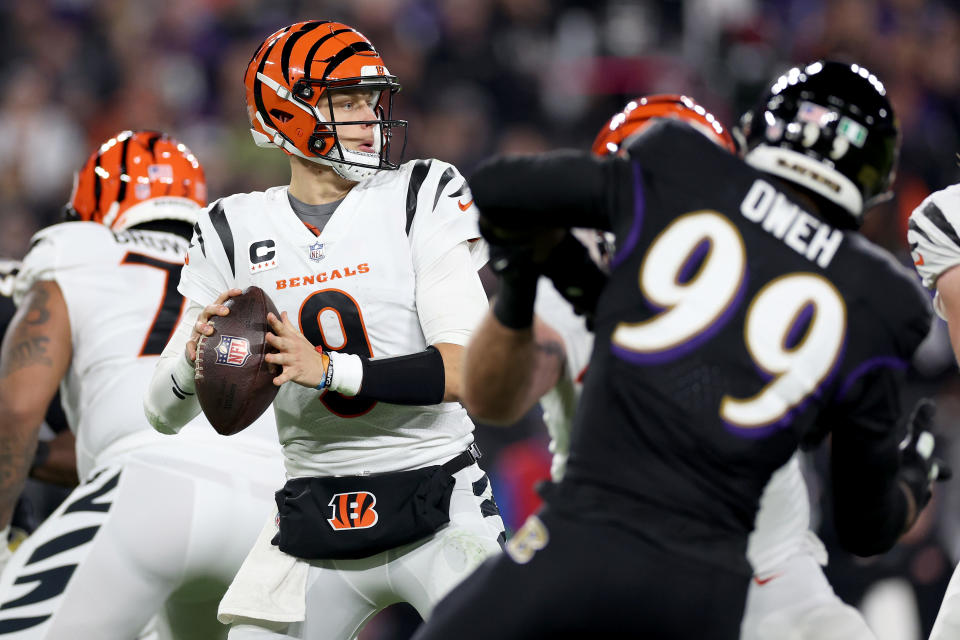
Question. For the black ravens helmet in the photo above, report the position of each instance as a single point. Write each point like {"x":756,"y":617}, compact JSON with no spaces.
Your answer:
{"x":829,"y":129}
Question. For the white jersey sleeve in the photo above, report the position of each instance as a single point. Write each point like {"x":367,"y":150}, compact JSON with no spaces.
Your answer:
{"x":441,"y":213}
{"x":208,"y":271}
{"x":450,"y":298}
{"x":933,"y":234}
{"x":40,"y":264}
{"x":446,"y":250}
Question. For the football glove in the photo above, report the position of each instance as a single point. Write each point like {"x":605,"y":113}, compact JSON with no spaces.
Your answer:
{"x":517,"y":257}
{"x":919,"y":468}
{"x":575,"y":275}
{"x":518,"y":253}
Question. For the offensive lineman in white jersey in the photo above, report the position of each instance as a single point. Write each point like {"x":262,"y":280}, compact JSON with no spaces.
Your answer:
{"x":933,"y":234}
{"x":373,"y":267}
{"x":789,"y":596}
{"x":158,"y":524}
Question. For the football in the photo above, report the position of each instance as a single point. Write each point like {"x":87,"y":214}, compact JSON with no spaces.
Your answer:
{"x":234,"y":381}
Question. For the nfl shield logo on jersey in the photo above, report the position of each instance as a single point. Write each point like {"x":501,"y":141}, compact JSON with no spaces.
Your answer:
{"x":316,"y":251}
{"x":233,"y":351}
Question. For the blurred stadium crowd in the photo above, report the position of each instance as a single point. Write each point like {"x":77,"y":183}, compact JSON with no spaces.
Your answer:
{"x":486,"y":76}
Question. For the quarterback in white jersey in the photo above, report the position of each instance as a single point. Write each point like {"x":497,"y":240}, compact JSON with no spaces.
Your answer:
{"x":373,"y":267}
{"x":933,"y":234}
{"x":158,"y":524}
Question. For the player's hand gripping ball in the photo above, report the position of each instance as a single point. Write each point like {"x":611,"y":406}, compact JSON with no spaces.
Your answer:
{"x":234,"y":381}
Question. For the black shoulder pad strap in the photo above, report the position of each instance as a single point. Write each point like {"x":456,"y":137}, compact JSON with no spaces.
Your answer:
{"x":218,"y":218}
{"x":417,"y":175}
{"x":444,"y":179}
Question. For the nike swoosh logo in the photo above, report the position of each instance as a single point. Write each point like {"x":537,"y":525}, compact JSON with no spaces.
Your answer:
{"x":464,"y":207}
{"x":764,"y":581}
{"x":919,"y":261}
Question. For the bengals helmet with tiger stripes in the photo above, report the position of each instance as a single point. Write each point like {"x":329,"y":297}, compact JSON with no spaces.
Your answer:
{"x":295,"y":69}
{"x":136,"y":177}
{"x":639,"y":113}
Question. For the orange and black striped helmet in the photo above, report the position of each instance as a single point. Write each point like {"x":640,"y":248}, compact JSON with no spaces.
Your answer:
{"x":294,"y":70}
{"x":637,"y":116}
{"x":135,"y":177}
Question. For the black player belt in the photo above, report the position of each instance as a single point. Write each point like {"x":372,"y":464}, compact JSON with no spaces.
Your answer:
{"x":344,"y":517}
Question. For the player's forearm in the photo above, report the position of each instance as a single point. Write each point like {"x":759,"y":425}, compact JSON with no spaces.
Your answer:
{"x":507,"y":370}
{"x":872,"y":522}
{"x":452,"y":356}
{"x":17,"y":445}
{"x":171,"y":401}
{"x":871,"y":508}
{"x":558,"y":189}
{"x":35,"y":356}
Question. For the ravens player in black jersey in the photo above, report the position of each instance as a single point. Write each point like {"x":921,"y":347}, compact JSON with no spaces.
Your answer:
{"x":744,"y":316}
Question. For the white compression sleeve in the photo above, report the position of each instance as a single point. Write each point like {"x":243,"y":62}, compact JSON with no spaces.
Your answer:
{"x":171,"y":401}
{"x":450,"y":298}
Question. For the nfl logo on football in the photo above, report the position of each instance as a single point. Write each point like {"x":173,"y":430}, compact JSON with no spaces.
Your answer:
{"x":233,"y":351}
{"x":316,"y":251}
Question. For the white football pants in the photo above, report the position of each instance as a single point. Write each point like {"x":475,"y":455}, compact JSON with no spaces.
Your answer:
{"x":342,"y":595}
{"x":162,"y":530}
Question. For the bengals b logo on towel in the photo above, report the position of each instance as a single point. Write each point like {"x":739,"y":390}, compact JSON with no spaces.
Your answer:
{"x":353,"y":511}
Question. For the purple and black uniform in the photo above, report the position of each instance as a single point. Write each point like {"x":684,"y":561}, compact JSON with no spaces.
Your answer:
{"x":737,"y":325}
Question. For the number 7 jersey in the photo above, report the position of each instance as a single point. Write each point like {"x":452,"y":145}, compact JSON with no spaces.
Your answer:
{"x":120,"y":289}
{"x":352,"y":288}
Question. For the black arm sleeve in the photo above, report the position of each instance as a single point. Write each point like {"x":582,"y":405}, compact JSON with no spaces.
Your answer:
{"x":557,"y":189}
{"x":870,"y":508}
{"x":415,"y":379}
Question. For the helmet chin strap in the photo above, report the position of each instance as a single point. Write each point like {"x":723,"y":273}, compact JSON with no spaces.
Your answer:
{"x":349,"y":172}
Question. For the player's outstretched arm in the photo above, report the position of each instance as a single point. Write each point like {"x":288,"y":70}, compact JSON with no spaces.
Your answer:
{"x":171,"y":401}
{"x":35,"y":356}
{"x":557,"y":189}
{"x":881,"y":482}
{"x":507,"y":370}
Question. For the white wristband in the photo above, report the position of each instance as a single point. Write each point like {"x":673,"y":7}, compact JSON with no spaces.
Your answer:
{"x":347,"y":373}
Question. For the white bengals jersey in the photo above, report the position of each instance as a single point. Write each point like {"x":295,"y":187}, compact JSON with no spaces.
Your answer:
{"x":933,"y":234}
{"x":783,"y":521}
{"x":352,"y":288}
{"x":122,"y":301}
